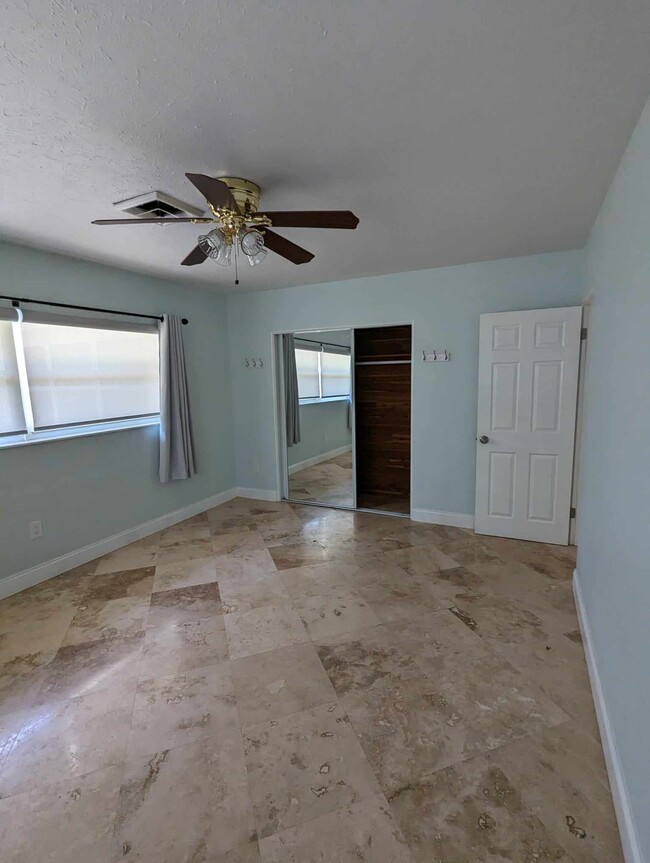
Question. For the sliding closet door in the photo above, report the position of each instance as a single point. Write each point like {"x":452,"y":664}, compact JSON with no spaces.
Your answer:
{"x":382,"y":393}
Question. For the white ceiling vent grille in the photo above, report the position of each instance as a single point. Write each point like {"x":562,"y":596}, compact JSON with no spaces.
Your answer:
{"x":157,"y":205}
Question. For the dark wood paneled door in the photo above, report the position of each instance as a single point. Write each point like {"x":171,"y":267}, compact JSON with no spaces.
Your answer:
{"x":382,"y":393}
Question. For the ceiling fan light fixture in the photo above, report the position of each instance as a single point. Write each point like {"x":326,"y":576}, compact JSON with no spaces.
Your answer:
{"x":251,"y":242}
{"x":215,"y":245}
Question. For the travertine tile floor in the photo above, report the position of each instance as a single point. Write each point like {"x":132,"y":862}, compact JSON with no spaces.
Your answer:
{"x":269,"y":682}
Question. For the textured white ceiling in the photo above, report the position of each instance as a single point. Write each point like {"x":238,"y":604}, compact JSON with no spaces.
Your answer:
{"x":457,"y":130}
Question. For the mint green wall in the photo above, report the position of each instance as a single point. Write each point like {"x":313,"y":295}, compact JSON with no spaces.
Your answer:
{"x":444,"y":306}
{"x":323,"y":428}
{"x":614,"y":498}
{"x":88,"y":489}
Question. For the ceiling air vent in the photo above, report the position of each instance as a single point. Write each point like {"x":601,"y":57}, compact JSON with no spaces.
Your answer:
{"x":157,"y":205}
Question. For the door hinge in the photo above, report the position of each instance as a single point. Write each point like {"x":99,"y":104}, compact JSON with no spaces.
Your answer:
{"x":572,"y":512}
{"x":583,"y":334}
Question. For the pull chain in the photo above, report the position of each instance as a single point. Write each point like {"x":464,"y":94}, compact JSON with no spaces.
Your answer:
{"x":236,"y":279}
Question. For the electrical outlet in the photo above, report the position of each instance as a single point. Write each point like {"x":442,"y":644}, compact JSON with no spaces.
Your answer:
{"x":256,"y":467}
{"x":35,"y":529}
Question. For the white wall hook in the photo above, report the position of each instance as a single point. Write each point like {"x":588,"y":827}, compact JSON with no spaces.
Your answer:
{"x":247,"y":364}
{"x":261,"y":364}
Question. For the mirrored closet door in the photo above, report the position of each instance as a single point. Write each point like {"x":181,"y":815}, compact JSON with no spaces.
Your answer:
{"x":319,"y":458}
{"x":345,"y":409}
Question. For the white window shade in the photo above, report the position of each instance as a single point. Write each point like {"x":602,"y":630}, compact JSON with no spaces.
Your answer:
{"x":308,"y":374}
{"x":335,"y":374}
{"x":12,"y":420}
{"x":79,"y":374}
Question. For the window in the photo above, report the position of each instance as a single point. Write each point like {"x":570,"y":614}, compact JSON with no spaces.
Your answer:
{"x":74,"y":376}
{"x":322,"y":374}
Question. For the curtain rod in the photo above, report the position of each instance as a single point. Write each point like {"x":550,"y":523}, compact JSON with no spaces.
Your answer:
{"x":315,"y":342}
{"x":16,"y":301}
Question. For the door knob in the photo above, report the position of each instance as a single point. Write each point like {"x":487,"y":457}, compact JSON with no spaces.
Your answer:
{"x":484,"y":439}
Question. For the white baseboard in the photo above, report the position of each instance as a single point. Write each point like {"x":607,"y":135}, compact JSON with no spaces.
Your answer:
{"x":626,"y":826}
{"x":256,"y":493}
{"x":51,"y":568}
{"x":451,"y":519}
{"x":317,"y":459}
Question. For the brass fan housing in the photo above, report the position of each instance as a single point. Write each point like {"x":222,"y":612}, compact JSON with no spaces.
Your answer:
{"x":245,"y":192}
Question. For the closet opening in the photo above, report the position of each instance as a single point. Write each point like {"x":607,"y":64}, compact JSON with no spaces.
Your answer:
{"x":344,"y":418}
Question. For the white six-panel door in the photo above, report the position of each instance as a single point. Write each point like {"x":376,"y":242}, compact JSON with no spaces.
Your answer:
{"x":527,"y":391}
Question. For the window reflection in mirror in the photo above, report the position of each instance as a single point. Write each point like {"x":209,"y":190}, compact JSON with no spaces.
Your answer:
{"x":320,"y":465}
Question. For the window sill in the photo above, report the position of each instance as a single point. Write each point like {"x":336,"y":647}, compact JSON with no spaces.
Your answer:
{"x":76,"y":432}
{"x":323,"y":401}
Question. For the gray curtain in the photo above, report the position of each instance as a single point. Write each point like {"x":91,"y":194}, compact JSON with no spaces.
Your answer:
{"x":176,"y":441}
{"x":292,"y":405}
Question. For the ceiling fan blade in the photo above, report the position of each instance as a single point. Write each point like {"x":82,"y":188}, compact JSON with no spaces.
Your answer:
{"x":164,"y":221}
{"x":214,"y":191}
{"x":314,"y":219}
{"x":285,"y":248}
{"x":196,"y":256}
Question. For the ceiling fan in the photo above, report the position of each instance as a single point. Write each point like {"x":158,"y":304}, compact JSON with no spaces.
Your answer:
{"x":234,"y":204}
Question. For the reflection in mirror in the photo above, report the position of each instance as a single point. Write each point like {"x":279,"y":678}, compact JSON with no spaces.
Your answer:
{"x":320,"y":462}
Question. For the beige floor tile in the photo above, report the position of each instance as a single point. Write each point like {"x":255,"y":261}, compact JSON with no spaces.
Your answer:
{"x":468,"y":554}
{"x":245,"y":562}
{"x":252,"y":590}
{"x":136,"y":581}
{"x":57,"y":594}
{"x":419,"y":559}
{"x":185,"y":549}
{"x":98,"y":619}
{"x":471,"y":813}
{"x":21,"y":680}
{"x":553,"y":561}
{"x":236,"y":541}
{"x":560,"y":773}
{"x":308,"y":524}
{"x":183,"y":604}
{"x":175,"y":647}
{"x":356,"y":660}
{"x":184,"y":532}
{"x":322,"y":578}
{"x":559,"y":669}
{"x":171,"y":711}
{"x":362,"y":831}
{"x":66,"y":738}
{"x":308,"y":553}
{"x":138,"y":554}
{"x":190,"y":803}
{"x":186,"y":573}
{"x":506,"y":623}
{"x":335,"y":612}
{"x":10,"y":727}
{"x":279,"y":682}
{"x":304,"y":765}
{"x":397,"y":595}
{"x":246,"y":853}
{"x":80,"y":669}
{"x":261,"y":629}
{"x":412,"y":727}
{"x":70,"y":821}
{"x":26,"y":643}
